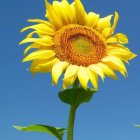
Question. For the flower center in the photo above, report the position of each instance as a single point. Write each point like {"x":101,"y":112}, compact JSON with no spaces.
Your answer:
{"x":79,"y":45}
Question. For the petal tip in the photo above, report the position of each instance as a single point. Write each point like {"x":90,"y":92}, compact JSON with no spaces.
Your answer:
{"x":116,"y":13}
{"x":20,"y":43}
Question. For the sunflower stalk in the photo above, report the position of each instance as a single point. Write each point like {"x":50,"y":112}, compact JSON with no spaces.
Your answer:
{"x":72,"y":114}
{"x":71,"y":121}
{"x":74,"y":97}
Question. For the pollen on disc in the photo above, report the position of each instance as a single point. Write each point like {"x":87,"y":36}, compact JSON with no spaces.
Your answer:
{"x":79,"y":45}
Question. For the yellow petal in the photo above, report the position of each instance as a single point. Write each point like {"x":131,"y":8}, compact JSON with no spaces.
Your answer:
{"x":80,"y":13}
{"x":64,"y":11}
{"x":83,"y":77}
{"x":69,"y":11}
{"x":96,"y":69}
{"x":30,"y":35}
{"x":106,"y":32}
{"x":124,"y":73}
{"x":93,"y":78}
{"x":39,"y":54}
{"x":58,"y":69}
{"x":117,"y":46}
{"x":107,"y":70}
{"x":73,"y":13}
{"x":118,"y":38}
{"x":33,"y":45}
{"x":41,"y":29}
{"x":114,"y":63}
{"x":60,"y":12}
{"x":52,"y":16}
{"x":116,"y":18}
{"x":92,"y":19}
{"x":122,"y":53}
{"x":43,"y":67}
{"x":70,"y":75}
{"x":45,"y":41}
{"x":104,"y":23}
{"x":41,"y":21}
{"x":37,"y":46}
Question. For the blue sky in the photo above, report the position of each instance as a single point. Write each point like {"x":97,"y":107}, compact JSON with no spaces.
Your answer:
{"x":28,"y":100}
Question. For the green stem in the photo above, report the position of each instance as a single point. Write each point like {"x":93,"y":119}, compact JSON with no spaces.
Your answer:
{"x":72,"y":114}
{"x":71,"y":120}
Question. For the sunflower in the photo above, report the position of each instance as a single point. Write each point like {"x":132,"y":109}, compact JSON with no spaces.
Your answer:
{"x":81,"y":45}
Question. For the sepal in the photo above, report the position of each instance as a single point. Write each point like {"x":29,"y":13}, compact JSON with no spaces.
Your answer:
{"x":76,"y":96}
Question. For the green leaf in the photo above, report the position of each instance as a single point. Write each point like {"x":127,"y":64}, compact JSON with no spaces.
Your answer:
{"x":54,"y":131}
{"x":76,"y":96}
{"x":138,"y":126}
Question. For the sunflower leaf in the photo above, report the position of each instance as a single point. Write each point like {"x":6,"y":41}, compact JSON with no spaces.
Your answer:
{"x":138,"y":126}
{"x":76,"y":96}
{"x":54,"y":131}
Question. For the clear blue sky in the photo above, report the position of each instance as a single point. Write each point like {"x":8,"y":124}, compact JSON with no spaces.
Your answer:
{"x":28,"y":100}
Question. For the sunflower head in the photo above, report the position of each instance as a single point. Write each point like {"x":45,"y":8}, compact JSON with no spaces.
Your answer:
{"x":81,"y":45}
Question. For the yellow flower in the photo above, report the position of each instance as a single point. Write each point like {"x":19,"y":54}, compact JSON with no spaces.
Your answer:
{"x":81,"y":45}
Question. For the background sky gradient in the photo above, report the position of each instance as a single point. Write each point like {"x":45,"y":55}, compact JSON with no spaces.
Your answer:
{"x":28,"y":100}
